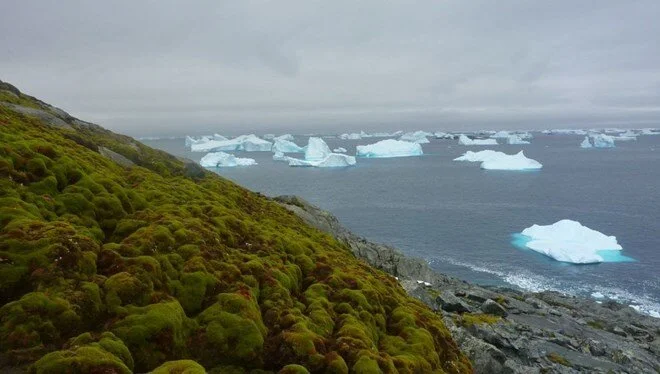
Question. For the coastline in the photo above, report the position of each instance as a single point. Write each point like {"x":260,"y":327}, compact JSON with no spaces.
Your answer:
{"x":503,"y":330}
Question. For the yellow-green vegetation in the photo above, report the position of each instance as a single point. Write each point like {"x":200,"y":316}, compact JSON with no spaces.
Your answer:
{"x":558,"y":359}
{"x":470,"y":319}
{"x":105,"y":268}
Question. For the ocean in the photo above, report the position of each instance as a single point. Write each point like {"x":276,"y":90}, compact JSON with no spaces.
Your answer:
{"x":462,"y":219}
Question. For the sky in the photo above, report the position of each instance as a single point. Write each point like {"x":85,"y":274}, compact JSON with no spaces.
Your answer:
{"x":173,"y":68}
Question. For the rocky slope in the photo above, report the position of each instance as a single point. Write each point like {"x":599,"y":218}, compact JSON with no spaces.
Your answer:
{"x":118,"y":258}
{"x":508,"y":331}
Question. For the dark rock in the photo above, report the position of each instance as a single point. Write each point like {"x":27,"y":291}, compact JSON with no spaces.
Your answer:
{"x":451,"y":303}
{"x":116,"y":157}
{"x":492,"y":307}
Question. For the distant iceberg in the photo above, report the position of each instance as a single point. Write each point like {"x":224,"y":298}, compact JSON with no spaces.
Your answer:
{"x":443,"y":135}
{"x":288,"y":137}
{"x":569,"y":241}
{"x":318,"y":154}
{"x":565,"y":132}
{"x":389,"y":148}
{"x":625,"y":136}
{"x":249,"y":143}
{"x":501,"y":135}
{"x":516,"y":139}
{"x":332,"y":160}
{"x":493,"y":160}
{"x":419,"y":137}
{"x":286,"y":146}
{"x":339,"y":150}
{"x":222,"y":159}
{"x":464,"y":140}
{"x":352,"y":136}
{"x":280,"y":156}
{"x":598,"y":141}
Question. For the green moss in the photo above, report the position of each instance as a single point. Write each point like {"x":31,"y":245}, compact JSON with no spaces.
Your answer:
{"x":293,"y":369}
{"x":469,"y":319}
{"x":123,"y":289}
{"x":596,"y":324}
{"x":558,"y":359}
{"x":180,"y":367}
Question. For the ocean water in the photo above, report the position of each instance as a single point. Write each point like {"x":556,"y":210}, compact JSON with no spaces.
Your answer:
{"x":463,"y":220}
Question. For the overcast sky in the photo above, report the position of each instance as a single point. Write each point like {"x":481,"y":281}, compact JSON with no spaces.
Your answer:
{"x":174,"y":67}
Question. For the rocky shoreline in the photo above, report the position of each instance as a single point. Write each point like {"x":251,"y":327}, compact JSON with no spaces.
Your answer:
{"x":509,"y":331}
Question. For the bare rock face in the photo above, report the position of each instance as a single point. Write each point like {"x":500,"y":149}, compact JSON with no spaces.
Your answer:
{"x":510,"y":331}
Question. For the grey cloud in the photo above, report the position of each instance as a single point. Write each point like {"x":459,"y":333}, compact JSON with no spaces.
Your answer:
{"x":170,"y":67}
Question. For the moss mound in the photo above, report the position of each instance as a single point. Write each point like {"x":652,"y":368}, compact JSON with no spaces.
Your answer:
{"x":113,"y":268}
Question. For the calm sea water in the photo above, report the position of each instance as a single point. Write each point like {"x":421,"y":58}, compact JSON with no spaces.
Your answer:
{"x":461,"y":218}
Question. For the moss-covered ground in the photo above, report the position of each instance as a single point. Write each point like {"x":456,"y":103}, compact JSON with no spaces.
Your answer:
{"x":111,"y":269}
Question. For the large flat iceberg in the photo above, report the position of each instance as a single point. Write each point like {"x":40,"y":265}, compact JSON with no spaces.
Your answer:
{"x":222,"y":159}
{"x":493,"y":160}
{"x":249,"y":143}
{"x":389,"y":148}
{"x":464,"y":140}
{"x":516,"y":139}
{"x":569,"y":241}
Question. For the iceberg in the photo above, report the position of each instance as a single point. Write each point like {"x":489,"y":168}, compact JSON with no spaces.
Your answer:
{"x":569,"y":241}
{"x":598,"y":141}
{"x":511,"y":162}
{"x":339,"y":150}
{"x":280,"y":156}
{"x":218,"y":137}
{"x":222,"y":159}
{"x":418,"y":137}
{"x":353,"y":136}
{"x":288,"y":137}
{"x":316,"y":149}
{"x":269,"y":136}
{"x":249,"y":143}
{"x":493,"y":160}
{"x":480,"y":156}
{"x":443,"y":135}
{"x":389,"y":148}
{"x":464,"y":140}
{"x":501,"y":135}
{"x":332,"y":160}
{"x":516,"y":139}
{"x":286,"y":146}
{"x":564,"y":132}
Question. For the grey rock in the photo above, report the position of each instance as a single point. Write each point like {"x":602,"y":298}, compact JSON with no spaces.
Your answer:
{"x":493,"y":307}
{"x":451,"y":303}
{"x":116,"y":157}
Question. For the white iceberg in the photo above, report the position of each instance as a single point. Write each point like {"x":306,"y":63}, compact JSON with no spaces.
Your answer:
{"x":339,"y":150}
{"x":516,"y":139}
{"x":219,"y":137}
{"x":511,"y":162}
{"x":480,"y":156}
{"x":649,"y":131}
{"x":286,"y":146}
{"x":316,"y":149}
{"x":625,"y":136}
{"x":222,"y":159}
{"x":352,"y":136}
{"x":332,"y":160}
{"x":249,"y":143}
{"x":418,"y":137}
{"x":569,"y":241}
{"x":464,"y":140}
{"x":288,"y":137}
{"x":389,"y":148}
{"x":443,"y":135}
{"x":269,"y":136}
{"x":501,"y":135}
{"x":586,"y":143}
{"x":565,"y":132}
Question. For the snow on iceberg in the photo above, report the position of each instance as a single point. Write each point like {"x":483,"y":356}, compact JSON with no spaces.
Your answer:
{"x":511,"y":162}
{"x":286,"y":146}
{"x":418,"y":137}
{"x":516,"y":139}
{"x":389,"y":148}
{"x":339,"y":150}
{"x":222,"y":159}
{"x":249,"y":143}
{"x":464,"y":140}
{"x":569,"y":241}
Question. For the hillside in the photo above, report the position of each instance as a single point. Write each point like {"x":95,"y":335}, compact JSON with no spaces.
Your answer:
{"x":118,"y":258}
